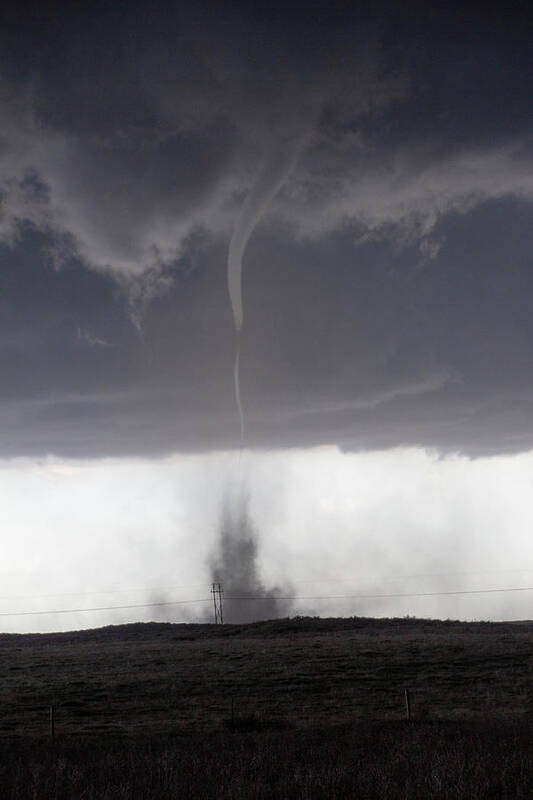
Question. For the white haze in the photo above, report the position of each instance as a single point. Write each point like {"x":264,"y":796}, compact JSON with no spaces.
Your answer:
{"x":127,"y":532}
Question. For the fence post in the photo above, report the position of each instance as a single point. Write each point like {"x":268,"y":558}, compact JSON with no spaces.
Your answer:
{"x":408,"y":704}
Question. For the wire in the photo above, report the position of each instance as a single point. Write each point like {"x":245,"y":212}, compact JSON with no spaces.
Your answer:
{"x":268,"y":598}
{"x":102,"y":608}
{"x":355,"y":579}
{"x":102,"y":592}
{"x":390,"y":578}
{"x":376,"y":596}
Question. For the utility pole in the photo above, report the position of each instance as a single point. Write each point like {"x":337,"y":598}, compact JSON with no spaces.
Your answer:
{"x":216,"y":591}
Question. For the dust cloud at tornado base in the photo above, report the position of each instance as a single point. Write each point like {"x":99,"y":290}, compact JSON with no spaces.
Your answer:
{"x":235,"y":564}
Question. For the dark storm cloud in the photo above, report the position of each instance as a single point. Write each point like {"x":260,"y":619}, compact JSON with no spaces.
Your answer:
{"x":386,"y":289}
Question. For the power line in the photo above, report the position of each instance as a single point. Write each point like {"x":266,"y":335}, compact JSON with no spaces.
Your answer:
{"x":398,"y":594}
{"x":101,"y":608}
{"x":355,"y":579}
{"x":257,"y":598}
{"x":144,"y":589}
{"x":390,"y":578}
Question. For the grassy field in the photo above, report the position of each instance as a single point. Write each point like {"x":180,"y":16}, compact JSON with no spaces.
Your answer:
{"x":161,"y":678}
{"x":367,"y":761}
{"x":288,"y":708}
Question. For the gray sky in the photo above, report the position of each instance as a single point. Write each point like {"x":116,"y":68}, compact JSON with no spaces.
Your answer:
{"x":386,"y":282}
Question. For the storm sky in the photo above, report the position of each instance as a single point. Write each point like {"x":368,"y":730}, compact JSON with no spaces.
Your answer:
{"x":386,"y":280}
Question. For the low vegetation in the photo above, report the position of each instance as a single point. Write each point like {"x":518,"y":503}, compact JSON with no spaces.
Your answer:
{"x":371,"y":760}
{"x":297,"y":708}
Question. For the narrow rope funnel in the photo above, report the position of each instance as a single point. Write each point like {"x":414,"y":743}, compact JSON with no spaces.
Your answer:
{"x":277,"y":164}
{"x":237,"y":384}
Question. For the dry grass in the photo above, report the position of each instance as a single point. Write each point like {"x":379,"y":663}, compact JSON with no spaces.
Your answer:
{"x":368,"y":761}
{"x":163,"y":678}
{"x":145,"y":711}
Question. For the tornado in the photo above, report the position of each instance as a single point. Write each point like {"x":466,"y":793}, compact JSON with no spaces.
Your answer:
{"x":236,"y":560}
{"x":277,"y":164}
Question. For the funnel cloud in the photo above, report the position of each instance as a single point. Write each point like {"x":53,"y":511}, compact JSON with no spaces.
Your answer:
{"x":275,"y":168}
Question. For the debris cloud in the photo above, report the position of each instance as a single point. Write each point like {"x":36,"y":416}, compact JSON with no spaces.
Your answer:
{"x":235,"y":565}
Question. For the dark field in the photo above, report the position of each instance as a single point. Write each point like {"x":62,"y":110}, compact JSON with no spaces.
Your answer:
{"x":293,"y":708}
